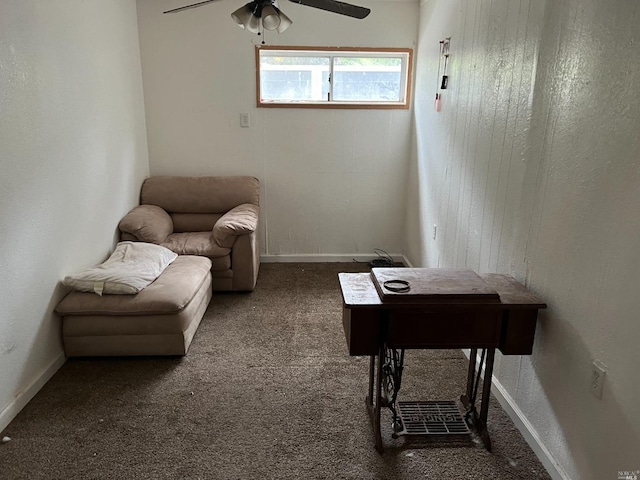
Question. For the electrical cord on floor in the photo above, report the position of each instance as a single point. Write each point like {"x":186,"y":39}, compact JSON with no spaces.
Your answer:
{"x":383,"y":260}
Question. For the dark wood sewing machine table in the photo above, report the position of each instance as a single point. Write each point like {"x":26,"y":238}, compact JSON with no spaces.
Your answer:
{"x":444,"y":309}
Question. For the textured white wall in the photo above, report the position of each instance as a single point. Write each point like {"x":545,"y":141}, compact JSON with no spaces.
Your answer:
{"x":73,"y":154}
{"x":532,"y":168}
{"x":333,"y":180}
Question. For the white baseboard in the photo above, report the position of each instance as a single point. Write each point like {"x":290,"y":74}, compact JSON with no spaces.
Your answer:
{"x":527,"y":430}
{"x":327,"y":257}
{"x":25,"y":396}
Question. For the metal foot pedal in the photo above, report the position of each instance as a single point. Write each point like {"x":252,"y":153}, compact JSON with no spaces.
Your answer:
{"x":436,"y":417}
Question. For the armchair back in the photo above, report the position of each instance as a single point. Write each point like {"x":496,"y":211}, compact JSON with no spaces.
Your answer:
{"x":196,"y":203}
{"x":199,"y":194}
{"x":213,"y":216}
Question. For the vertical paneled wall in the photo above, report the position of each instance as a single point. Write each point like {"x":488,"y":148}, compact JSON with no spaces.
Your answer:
{"x":472,"y":152}
{"x":532,"y":168}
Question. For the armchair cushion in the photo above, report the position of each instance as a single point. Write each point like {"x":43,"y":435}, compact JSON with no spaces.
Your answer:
{"x":148,"y":223}
{"x":240,"y":220}
{"x":195,"y":243}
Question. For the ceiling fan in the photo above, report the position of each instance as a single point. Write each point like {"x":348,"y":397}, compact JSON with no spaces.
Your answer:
{"x":266,"y":13}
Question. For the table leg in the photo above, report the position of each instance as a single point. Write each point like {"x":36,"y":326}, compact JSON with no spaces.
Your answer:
{"x":479,"y":421}
{"x":377,"y":431}
{"x":469,"y":398}
{"x":373,"y":406}
{"x":486,"y":394}
{"x":372,"y":372}
{"x":471,"y":375}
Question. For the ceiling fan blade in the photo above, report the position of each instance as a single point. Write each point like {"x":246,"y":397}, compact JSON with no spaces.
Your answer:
{"x":336,"y":7}
{"x":194,"y":5}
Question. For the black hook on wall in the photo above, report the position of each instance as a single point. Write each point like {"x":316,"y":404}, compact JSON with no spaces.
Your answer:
{"x":443,"y":83}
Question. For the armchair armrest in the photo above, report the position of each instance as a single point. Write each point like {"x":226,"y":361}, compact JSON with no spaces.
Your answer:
{"x":240,"y":220}
{"x":148,"y":223}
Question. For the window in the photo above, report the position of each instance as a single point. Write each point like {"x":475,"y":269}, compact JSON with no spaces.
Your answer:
{"x":315,"y":77}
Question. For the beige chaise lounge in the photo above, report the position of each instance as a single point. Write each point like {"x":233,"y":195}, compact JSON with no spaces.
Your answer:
{"x":161,"y":319}
{"x":211,"y":216}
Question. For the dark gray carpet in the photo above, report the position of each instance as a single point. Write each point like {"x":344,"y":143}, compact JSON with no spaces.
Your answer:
{"x":267,"y":391}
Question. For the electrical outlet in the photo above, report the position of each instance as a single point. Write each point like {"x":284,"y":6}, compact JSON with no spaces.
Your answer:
{"x":598,"y":372}
{"x":245,"y":120}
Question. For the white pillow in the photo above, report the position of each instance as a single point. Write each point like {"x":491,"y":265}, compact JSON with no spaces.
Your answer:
{"x":131,"y":267}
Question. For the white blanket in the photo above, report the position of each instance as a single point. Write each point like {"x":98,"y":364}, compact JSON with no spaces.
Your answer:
{"x":130,"y":268}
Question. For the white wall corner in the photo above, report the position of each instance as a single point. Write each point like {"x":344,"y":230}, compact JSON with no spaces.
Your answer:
{"x":25,"y":395}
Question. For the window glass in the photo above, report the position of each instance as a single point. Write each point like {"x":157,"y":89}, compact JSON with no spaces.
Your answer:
{"x":288,"y":78}
{"x":367,"y":79}
{"x":339,"y":78}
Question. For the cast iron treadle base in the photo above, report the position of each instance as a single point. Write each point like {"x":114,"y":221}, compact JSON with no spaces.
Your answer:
{"x":435,"y":417}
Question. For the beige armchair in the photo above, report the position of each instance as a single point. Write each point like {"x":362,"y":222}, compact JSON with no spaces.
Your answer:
{"x":211,"y":216}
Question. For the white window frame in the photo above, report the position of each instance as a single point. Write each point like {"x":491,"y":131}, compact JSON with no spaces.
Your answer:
{"x":406,"y":55}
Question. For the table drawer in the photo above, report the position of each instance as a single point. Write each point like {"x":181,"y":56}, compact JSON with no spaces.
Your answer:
{"x":518,"y":332}
{"x":361,"y":330}
{"x":434,"y":329}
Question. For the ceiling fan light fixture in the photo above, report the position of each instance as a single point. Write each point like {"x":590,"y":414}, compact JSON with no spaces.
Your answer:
{"x":253,"y":25}
{"x":243,"y":15}
{"x":285,"y":22}
{"x":250,"y":16}
{"x":270,"y":17}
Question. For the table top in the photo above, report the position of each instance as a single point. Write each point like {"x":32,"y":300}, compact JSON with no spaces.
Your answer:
{"x":451,"y":287}
{"x":434,"y":285}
